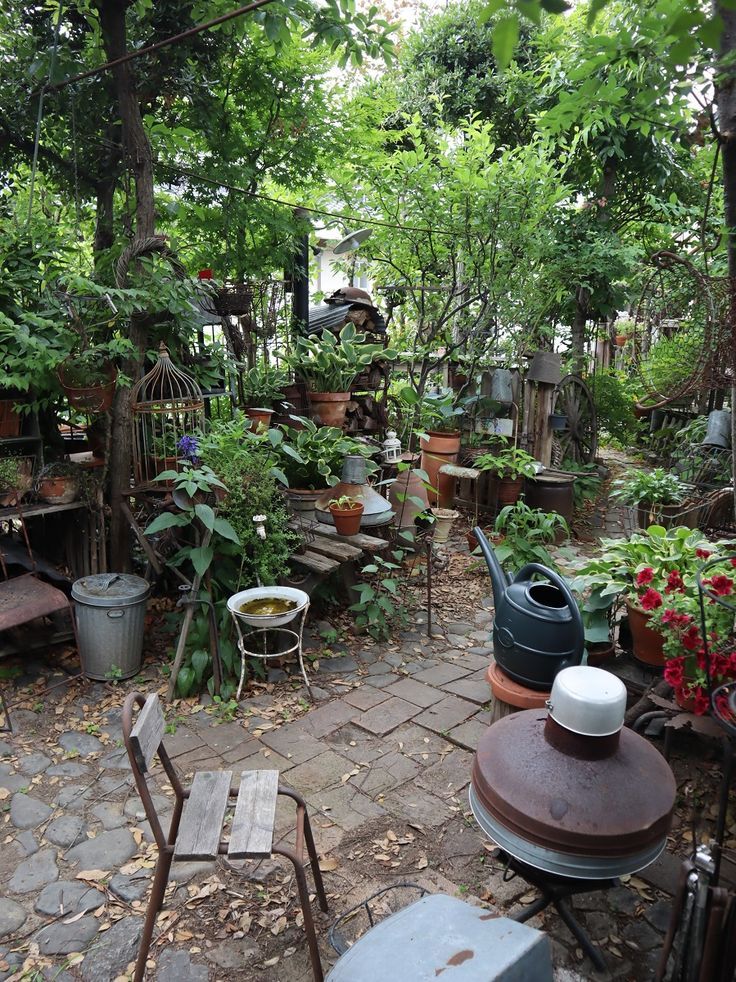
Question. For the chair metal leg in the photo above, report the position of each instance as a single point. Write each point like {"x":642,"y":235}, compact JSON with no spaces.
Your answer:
{"x":314,"y":863}
{"x":158,"y":891}
{"x":301,"y":882}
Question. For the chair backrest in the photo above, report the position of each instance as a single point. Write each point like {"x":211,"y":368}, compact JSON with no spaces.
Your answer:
{"x":144,"y":741}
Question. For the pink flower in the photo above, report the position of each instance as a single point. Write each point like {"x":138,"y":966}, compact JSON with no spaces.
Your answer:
{"x":650,"y":599}
{"x":644,"y":576}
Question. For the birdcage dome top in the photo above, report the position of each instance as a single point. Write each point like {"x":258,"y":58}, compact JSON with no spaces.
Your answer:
{"x":166,"y":388}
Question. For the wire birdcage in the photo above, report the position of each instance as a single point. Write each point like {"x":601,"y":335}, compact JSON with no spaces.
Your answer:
{"x":167,"y":405}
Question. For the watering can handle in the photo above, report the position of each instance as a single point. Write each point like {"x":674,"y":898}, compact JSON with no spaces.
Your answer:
{"x":561,"y":584}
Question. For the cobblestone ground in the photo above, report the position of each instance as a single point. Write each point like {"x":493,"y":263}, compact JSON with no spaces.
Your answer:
{"x":383,"y":759}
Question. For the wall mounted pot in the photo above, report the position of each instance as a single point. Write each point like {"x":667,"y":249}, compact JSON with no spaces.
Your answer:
{"x":557,"y":421}
{"x":648,"y":644}
{"x":329,"y":408}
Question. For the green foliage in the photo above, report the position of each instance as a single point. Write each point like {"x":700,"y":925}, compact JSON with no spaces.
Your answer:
{"x":508,"y":462}
{"x":310,"y":457}
{"x":11,"y":472}
{"x":263,"y":384}
{"x":527,"y":531}
{"x":330,"y":363}
{"x":587,"y":482}
{"x":379,"y":608}
{"x":669,"y":364}
{"x":614,"y":407}
{"x":656,"y":487}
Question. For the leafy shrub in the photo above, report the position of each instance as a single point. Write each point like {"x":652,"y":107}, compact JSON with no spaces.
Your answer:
{"x":614,"y":407}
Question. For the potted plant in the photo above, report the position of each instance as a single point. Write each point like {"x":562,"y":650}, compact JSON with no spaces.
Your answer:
{"x":525,"y":533}
{"x":511,"y":465}
{"x":657,"y":495}
{"x":638,"y":570}
{"x":307,"y":460}
{"x":677,"y":617}
{"x":439,"y":437}
{"x":346,"y":513}
{"x":89,"y":376}
{"x":597,"y":613}
{"x":16,"y":479}
{"x":329,"y":366}
{"x":260,"y":387}
{"x":58,"y":483}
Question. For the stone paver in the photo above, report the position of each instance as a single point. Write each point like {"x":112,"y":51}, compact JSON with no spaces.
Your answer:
{"x":322,"y":771}
{"x":68,"y":897}
{"x":114,"y":950}
{"x":132,"y":886}
{"x":467,"y":734}
{"x":449,"y":776}
{"x":177,"y":966}
{"x":62,"y":938}
{"x":386,"y":716}
{"x":181,"y":741}
{"x":34,"y":764}
{"x":226,"y":736}
{"x":105,"y":851}
{"x":346,"y":806}
{"x":414,"y":804}
{"x":445,"y":672}
{"x":441,"y":717}
{"x":476,"y":690}
{"x":35,"y":872}
{"x":84,"y":744}
{"x":27,"y":812}
{"x":12,"y":916}
{"x":366,"y":697}
{"x":325,"y":719}
{"x":70,"y":768}
{"x":389,"y":771}
{"x":292,"y":743}
{"x":415,"y":692}
{"x":65,"y":831}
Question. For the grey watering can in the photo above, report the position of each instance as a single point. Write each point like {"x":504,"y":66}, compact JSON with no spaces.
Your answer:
{"x":537,"y":626}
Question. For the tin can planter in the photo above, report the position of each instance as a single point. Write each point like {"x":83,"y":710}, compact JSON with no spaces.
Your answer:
{"x":329,"y":408}
{"x":302,"y":503}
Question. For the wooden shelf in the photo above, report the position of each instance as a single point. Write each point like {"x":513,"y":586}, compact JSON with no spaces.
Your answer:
{"x":31,"y":511}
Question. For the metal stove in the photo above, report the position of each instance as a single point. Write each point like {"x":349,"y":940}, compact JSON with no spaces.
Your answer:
{"x":572,"y":798}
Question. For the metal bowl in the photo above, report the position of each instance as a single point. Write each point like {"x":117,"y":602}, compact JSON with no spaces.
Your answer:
{"x":267,"y":592}
{"x":588,"y":700}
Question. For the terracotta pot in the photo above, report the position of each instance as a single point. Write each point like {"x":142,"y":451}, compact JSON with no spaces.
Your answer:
{"x":444,"y":517}
{"x":509,"y":490}
{"x":260,"y":418}
{"x":494,"y":539}
{"x":438,"y":449}
{"x":408,"y":486}
{"x":621,"y":340}
{"x":599,"y":654}
{"x":92,"y":398}
{"x":61,"y":490}
{"x":10,"y":420}
{"x":648,"y":644}
{"x":329,"y":408}
{"x":347,"y":520}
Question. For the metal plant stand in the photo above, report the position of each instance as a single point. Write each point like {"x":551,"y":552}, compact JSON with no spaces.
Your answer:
{"x":253,"y":642}
{"x":557,"y":890}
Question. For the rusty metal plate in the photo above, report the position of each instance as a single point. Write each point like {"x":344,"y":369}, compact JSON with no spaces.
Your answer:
{"x":24,"y":598}
{"x":618,"y":807}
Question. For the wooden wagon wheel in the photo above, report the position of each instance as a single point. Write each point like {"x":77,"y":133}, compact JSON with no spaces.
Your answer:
{"x":578,"y":441}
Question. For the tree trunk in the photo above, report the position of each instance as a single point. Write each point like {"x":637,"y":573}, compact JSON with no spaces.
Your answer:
{"x":104,"y":217}
{"x":726,"y":103}
{"x":579,"y":320}
{"x":140,"y":163}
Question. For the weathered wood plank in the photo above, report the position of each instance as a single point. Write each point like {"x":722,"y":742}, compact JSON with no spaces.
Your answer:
{"x":148,"y":732}
{"x":204,"y":811}
{"x":370,"y":543}
{"x":312,"y":560}
{"x":255,"y":811}
{"x":334,"y":548}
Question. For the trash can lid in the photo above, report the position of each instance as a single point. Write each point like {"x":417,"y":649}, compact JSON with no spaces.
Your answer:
{"x":110,"y":589}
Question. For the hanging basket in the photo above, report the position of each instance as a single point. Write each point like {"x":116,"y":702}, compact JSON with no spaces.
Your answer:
{"x":230,"y":300}
{"x":89,"y":398}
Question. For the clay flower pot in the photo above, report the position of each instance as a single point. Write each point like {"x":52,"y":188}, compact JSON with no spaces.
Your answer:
{"x":347,"y":520}
{"x":329,"y":408}
{"x":260,"y":418}
{"x":60,"y":489}
{"x":437,"y":449}
{"x":648,"y":644}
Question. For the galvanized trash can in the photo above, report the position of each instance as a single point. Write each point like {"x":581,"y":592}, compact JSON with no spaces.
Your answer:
{"x":110,"y":609}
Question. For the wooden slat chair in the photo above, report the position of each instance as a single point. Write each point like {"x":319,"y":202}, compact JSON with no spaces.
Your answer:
{"x":196,"y":826}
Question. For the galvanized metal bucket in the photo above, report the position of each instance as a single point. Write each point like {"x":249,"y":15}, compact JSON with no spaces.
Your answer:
{"x":110,"y":609}
{"x":718,"y":433}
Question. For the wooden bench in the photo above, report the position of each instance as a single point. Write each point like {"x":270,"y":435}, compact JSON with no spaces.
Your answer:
{"x":328,"y":551}
{"x":196,"y":830}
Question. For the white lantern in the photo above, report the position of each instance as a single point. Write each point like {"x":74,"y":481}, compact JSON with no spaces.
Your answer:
{"x":391,"y":448}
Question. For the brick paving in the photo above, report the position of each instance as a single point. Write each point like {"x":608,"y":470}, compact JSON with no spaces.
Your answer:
{"x":388,"y":747}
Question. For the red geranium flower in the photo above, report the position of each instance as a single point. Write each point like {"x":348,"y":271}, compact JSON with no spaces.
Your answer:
{"x":674,"y":582}
{"x":644,"y":576}
{"x":721,"y":585}
{"x":674,"y":671}
{"x":691,"y":638}
{"x":702,"y":703}
{"x":703,"y":553}
{"x":650,"y":599}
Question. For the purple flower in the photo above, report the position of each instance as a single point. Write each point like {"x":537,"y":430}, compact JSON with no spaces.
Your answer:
{"x":189,"y":448}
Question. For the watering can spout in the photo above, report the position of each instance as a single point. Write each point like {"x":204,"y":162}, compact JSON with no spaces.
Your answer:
{"x":498,"y":577}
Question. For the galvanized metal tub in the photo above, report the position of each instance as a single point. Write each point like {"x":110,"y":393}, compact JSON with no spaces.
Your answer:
{"x":110,"y":610}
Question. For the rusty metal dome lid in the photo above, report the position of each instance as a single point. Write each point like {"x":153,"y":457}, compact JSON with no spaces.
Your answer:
{"x":580,"y":816}
{"x":588,"y":700}
{"x":350,"y":295}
